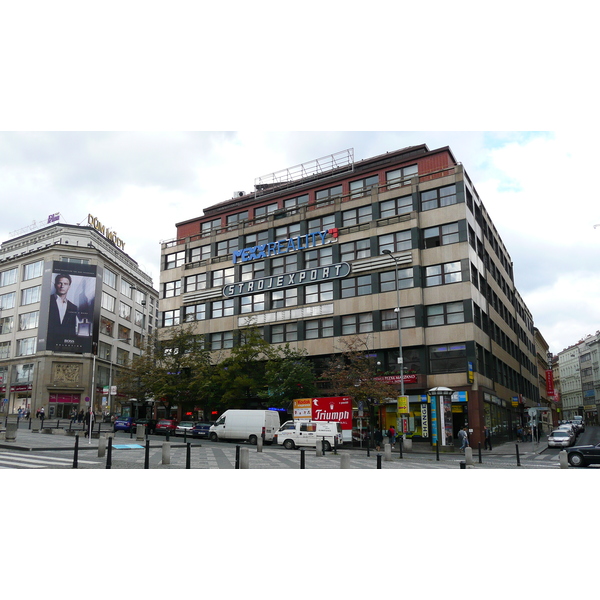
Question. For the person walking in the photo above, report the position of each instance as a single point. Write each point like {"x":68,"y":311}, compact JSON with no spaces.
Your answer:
{"x":464,"y":438}
{"x":378,"y":439}
{"x":392,"y":436}
{"x":487,"y":434}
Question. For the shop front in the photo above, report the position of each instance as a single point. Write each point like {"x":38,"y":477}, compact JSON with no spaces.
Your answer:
{"x":62,"y":404}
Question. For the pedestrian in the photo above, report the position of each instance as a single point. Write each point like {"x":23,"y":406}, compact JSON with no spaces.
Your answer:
{"x":80,"y":416}
{"x":378,"y":439}
{"x":42,"y":414}
{"x":487,"y":434}
{"x":392,"y":435}
{"x":19,"y":413}
{"x":464,"y":438}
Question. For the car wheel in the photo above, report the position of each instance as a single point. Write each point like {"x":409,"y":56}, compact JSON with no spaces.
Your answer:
{"x":253,"y":440}
{"x":326,"y":446}
{"x":576,"y":460}
{"x":213,"y":437}
{"x":289,"y":444}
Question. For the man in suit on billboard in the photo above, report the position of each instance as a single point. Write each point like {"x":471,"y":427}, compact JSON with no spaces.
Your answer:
{"x":62,"y":318}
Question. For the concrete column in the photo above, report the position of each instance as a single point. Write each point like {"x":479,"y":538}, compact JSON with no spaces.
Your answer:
{"x":345,"y":461}
{"x":469,"y":455}
{"x":244,"y":458}
{"x":407,"y":445}
{"x":140,"y":433}
{"x":101,"y":446}
{"x":319,"y":448}
{"x":562,"y":459}
{"x":166,"y":453}
{"x":11,"y":432}
{"x":259,"y":444}
{"x":387,"y":452}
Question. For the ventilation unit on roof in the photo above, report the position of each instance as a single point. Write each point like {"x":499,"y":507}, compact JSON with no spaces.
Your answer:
{"x":238,"y":194}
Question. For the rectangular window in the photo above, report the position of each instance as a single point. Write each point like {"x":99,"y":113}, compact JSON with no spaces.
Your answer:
{"x":221,"y":341}
{"x":172,"y":289}
{"x":441,"y":235}
{"x":31,"y":295}
{"x":262,"y":211}
{"x":176,"y":259}
{"x":318,"y":258}
{"x":221,"y":308}
{"x":122,"y":356}
{"x":284,"y":298}
{"x":284,"y":264}
{"x":356,"y":286}
{"x":362,"y":187}
{"x":355,"y":250}
{"x":399,"y":241}
{"x":356,"y":216}
{"x":354,"y":324}
{"x":24,"y":373}
{"x":397,"y":206}
{"x":320,"y":292}
{"x":445,"y":314}
{"x":29,"y":320}
{"x":210,"y":225}
{"x":195,"y":283}
{"x":222,"y":277}
{"x":227,"y":247}
{"x":401,"y":176}
{"x":197,"y":312}
{"x":7,"y":324}
{"x":448,"y":359}
{"x":4,"y":349}
{"x":319,"y":328}
{"x":200,"y":253}
{"x":389,"y":318}
{"x":170,"y":318}
{"x":286,"y":232}
{"x":295,"y":202}
{"x":107,"y":326}
{"x":328,"y":195}
{"x":442,"y":274}
{"x":322,"y":223}
{"x":124,"y":311}
{"x":108,"y":302}
{"x":253,"y":270}
{"x":237,"y":218}
{"x":387,"y":281}
{"x":26,"y":346}
{"x":33,"y":270}
{"x":256,"y":239}
{"x":251,"y":304}
{"x":110,"y":278}
{"x":439,"y":197}
{"x":7,"y":301}
{"x":8,"y":277}
{"x":126,"y":288}
{"x":124,"y":334}
{"x":286,"y":332}
{"x":104,"y":351}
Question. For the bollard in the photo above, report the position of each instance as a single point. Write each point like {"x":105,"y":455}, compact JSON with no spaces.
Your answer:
{"x":345,"y":461}
{"x":518,"y":458}
{"x":11,"y":432}
{"x":469,"y":455}
{"x":109,"y":454}
{"x":463,"y":464}
{"x":368,"y":451}
{"x":75,"y":453}
{"x":147,"y":455}
{"x":335,"y":445}
{"x":101,"y":447}
{"x":323,"y":445}
{"x":379,"y":461}
{"x":140,"y":433}
{"x":437,"y":450}
{"x":563,"y":460}
{"x":166,"y":453}
{"x":237,"y":457}
{"x":185,"y":436}
{"x":188,"y":455}
{"x":400,"y":442}
{"x":302,"y":458}
{"x":244,"y":458}
{"x":259,"y":443}
{"x":318,"y":449}
{"x":387,"y":452}
{"x":479,"y":448}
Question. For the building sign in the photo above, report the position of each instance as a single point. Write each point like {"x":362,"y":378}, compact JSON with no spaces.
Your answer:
{"x":395,"y":379}
{"x":302,"y":408}
{"x":550,"y":382}
{"x":300,"y":242}
{"x":110,"y":235}
{"x":278,"y":282}
{"x":336,"y":408}
{"x":403,"y":405}
{"x":424,"y":421}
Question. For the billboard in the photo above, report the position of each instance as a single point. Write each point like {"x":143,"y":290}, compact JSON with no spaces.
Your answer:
{"x":70,"y":312}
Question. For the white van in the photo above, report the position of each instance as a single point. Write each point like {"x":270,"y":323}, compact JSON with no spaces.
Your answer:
{"x":245,"y":425}
{"x":308,"y":433}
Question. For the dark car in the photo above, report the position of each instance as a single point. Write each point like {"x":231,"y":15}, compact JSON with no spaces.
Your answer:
{"x":150,"y":424}
{"x":582,"y":456}
{"x":200,"y":430}
{"x":165,"y":426}
{"x":123,"y":424}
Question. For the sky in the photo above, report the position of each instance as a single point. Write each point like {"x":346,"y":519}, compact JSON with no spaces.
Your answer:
{"x":140,"y":184}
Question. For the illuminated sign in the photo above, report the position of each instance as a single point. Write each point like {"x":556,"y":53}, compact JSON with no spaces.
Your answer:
{"x":300,"y":242}
{"x":110,"y":235}
{"x":277,"y":282}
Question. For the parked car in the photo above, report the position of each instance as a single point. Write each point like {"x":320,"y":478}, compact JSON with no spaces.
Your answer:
{"x":200,"y":430}
{"x":123,"y":424}
{"x":165,"y":426}
{"x":149,"y":423}
{"x":184,"y":427}
{"x":560,"y":438}
{"x":570,"y":428}
{"x":582,"y":456}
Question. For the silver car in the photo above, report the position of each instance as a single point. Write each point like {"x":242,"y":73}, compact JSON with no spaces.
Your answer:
{"x":560,"y":438}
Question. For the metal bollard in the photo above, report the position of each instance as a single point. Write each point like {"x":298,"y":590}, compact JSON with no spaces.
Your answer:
{"x":479,"y":448}
{"x":401,"y":442}
{"x":463,"y":464}
{"x":147,"y":455}
{"x":335,"y":445}
{"x":188,"y":456}
{"x":237,"y":457}
{"x":518,"y":458}
{"x":302,"y":458}
{"x":379,"y":461}
{"x":437,"y":450}
{"x":323,"y":445}
{"x":109,"y":454}
{"x":76,"y":452}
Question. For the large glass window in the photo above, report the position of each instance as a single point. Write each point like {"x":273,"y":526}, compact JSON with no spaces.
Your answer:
{"x":442,"y":274}
{"x":285,"y":332}
{"x":322,"y":196}
{"x":356,"y":216}
{"x":7,"y":324}
{"x":401,"y":176}
{"x":200,"y":253}
{"x":107,"y":326}
{"x":396,"y":206}
{"x":124,"y":311}
{"x":362,"y":187}
{"x":284,"y":298}
{"x":31,"y":295}
{"x":8,"y":277}
{"x":322,"y":223}
{"x":221,"y":341}
{"x":33,"y":270}
{"x":195,"y":283}
{"x":318,"y":328}
{"x":356,"y":286}
{"x":284,"y":264}
{"x":172,"y":288}
{"x":237,"y":218}
{"x":26,"y":346}
{"x":396,"y":242}
{"x":295,"y":202}
{"x":387,"y":281}
{"x":262,"y":211}
{"x":355,"y":250}
{"x":196,"y":312}
{"x":286,"y":232}
{"x":451,"y":358}
{"x":176,"y":259}
{"x":222,"y":308}
{"x":108,"y":302}
{"x":222,"y":277}
{"x":170,"y":318}
{"x":24,"y":373}
{"x":28,"y":320}
{"x":354,"y":324}
{"x":439,"y":197}
{"x":4,"y":349}
{"x":253,"y":303}
{"x":445,"y":314}
{"x":208,"y":226}
{"x":318,"y":258}
{"x":110,"y":278}
{"x":253,"y":270}
{"x":320,"y":292}
{"x":7,"y":300}
{"x":227,"y":247}
{"x":256,"y":239}
{"x":389,"y":318}
{"x":441,"y":235}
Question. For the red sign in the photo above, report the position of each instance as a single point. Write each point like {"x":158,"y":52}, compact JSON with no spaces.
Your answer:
{"x":550,"y":382}
{"x":337,"y":408}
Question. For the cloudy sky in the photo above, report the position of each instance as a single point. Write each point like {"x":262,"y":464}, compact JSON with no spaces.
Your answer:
{"x":141,"y":184}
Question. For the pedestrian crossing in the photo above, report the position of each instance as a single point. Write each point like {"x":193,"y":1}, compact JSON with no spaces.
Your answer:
{"x":26,"y":460}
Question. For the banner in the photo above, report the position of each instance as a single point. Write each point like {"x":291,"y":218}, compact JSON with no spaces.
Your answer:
{"x":403,"y":405}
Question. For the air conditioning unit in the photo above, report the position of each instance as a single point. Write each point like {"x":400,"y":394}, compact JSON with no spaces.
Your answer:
{"x":238,"y":194}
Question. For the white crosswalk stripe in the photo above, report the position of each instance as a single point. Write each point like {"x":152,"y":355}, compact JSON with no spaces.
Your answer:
{"x":17,"y":460}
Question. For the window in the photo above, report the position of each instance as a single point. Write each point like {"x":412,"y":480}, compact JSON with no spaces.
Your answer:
{"x":227,"y":247}
{"x":110,"y":278}
{"x":286,"y":332}
{"x":285,"y":232}
{"x":31,"y":295}
{"x":108,"y":302}
{"x":442,"y":274}
{"x":439,"y":197}
{"x":124,"y":334}
{"x":237,"y":218}
{"x":200,"y":253}
{"x":364,"y":214}
{"x":356,"y":286}
{"x":389,"y":318}
{"x":107,"y":326}
{"x":28,"y":320}
{"x":396,"y":242}
{"x":221,"y":341}
{"x":284,"y":298}
{"x":122,"y":356}
{"x":76,"y":261}
{"x":284,"y":264}
{"x":170,"y":317}
{"x":445,"y":314}
{"x":126,"y":288}
{"x":251,"y":304}
{"x":7,"y":324}
{"x":319,"y":292}
{"x":262,"y":211}
{"x":26,"y":346}
{"x":441,"y":235}
{"x":124,"y":311}
{"x":210,"y":225}
{"x":256,"y":239}
{"x":222,"y":277}
{"x":33,"y":270}
{"x":387,"y":281}
{"x":4,"y":349}
{"x":448,"y":359}
{"x":172,"y":289}
{"x":322,"y":223}
{"x":24,"y":373}
{"x":319,"y":328}
{"x":139,"y":319}
{"x":362,"y":187}
{"x":195,"y":283}
{"x":176,"y":259}
{"x":397,"y":206}
{"x":318,"y":258}
{"x":196,"y":312}
{"x":355,"y":250}
{"x":253,"y":270}
{"x":7,"y":300}
{"x":222,"y":308}
{"x":322,"y":196}
{"x":401,"y":176}
{"x":295,"y":202}
{"x":104,"y":351}
{"x":353,"y":324}
{"x":8,"y":277}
